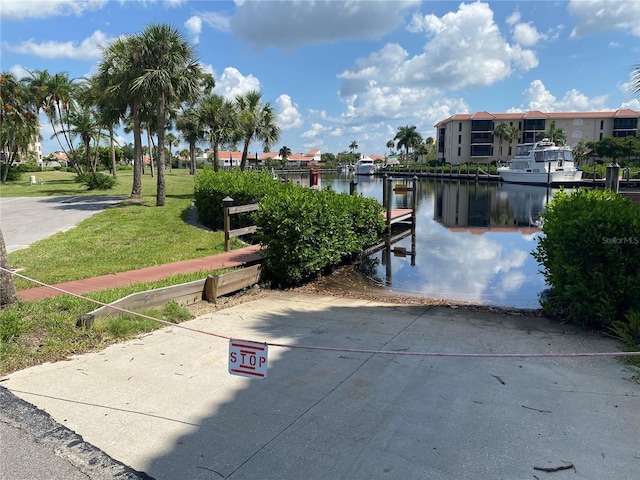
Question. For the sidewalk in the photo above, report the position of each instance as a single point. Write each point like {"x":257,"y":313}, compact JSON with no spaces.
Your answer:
{"x":231,"y":259}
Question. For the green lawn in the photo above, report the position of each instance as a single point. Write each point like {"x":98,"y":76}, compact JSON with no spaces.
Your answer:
{"x":129,"y":236}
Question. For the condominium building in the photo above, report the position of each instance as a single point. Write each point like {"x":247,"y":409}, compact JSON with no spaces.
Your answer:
{"x":470,"y":137}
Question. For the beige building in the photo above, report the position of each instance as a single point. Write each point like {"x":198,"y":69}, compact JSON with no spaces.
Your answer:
{"x":469,"y":137}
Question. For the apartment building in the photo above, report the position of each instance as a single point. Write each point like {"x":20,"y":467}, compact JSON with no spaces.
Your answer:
{"x":469,"y":137}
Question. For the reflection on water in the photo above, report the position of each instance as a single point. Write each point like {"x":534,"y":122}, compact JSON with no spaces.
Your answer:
{"x":472,"y":241}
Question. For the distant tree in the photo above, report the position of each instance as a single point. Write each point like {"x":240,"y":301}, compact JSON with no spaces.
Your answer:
{"x":408,"y":138}
{"x":390,"y":145}
{"x":219,"y":118}
{"x":556,"y":135}
{"x":285,"y":152}
{"x":256,"y":122}
{"x":502,"y":132}
{"x":353,"y":146}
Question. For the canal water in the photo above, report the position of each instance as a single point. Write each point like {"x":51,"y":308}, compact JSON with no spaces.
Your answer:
{"x":472,"y":243}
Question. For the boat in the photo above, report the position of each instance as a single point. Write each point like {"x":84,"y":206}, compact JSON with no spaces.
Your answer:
{"x":365,"y":166}
{"x":541,"y":163}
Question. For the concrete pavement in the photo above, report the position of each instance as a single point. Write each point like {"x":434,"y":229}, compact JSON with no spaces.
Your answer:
{"x":24,"y":220}
{"x":165,"y":404}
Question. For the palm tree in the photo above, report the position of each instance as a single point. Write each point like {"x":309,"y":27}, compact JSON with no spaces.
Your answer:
{"x":189,"y":124}
{"x":18,"y":119}
{"x":353,"y":146}
{"x":556,"y":135}
{"x":172,"y":141}
{"x":502,"y":132}
{"x":256,"y":121}
{"x":390,"y":145}
{"x":119,"y":66}
{"x":171,"y":74}
{"x":219,"y":117}
{"x":284,"y":153}
{"x":408,"y":138}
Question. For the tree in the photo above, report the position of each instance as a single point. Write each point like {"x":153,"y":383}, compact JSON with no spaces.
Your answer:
{"x":189,"y":124}
{"x":172,"y":141}
{"x":408,"y":138}
{"x":390,"y":145}
{"x":256,"y":122}
{"x":502,"y":132}
{"x":171,"y":74}
{"x":556,"y":135}
{"x":18,"y":120}
{"x":8,"y":295}
{"x":284,"y":153}
{"x":353,"y":146}
{"x":219,"y":118}
{"x":119,"y":67}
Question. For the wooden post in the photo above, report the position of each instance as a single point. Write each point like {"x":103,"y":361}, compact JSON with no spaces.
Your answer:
{"x":226,"y":204}
{"x":389,"y":199}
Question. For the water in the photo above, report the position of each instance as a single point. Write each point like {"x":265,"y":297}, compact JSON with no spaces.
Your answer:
{"x":473,"y":241}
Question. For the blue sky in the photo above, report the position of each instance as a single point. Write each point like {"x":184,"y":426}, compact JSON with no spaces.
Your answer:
{"x":338,"y":71}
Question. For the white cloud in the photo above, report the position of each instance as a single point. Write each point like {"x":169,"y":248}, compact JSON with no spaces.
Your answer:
{"x":288,"y":116}
{"x":537,"y":97}
{"x":597,"y":15}
{"x":526,"y":34}
{"x":232,"y":83}
{"x":19,"y":9}
{"x":194,"y":27}
{"x":88,"y":49}
{"x":216,"y":20}
{"x":289,"y":23}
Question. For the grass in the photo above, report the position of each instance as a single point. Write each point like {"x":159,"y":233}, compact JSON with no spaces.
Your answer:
{"x":129,"y":236}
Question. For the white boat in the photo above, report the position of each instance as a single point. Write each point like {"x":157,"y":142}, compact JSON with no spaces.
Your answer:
{"x":541,"y":163}
{"x":365,"y":166}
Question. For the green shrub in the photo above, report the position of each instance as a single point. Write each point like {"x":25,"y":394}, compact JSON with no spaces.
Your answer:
{"x":211,"y":187}
{"x":629,"y":332}
{"x":98,"y":182}
{"x":14,"y":174}
{"x":309,"y":232}
{"x":590,"y":253}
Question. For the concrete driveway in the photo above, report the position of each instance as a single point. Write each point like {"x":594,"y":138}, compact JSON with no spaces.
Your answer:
{"x":24,"y":220}
{"x":165,"y":404}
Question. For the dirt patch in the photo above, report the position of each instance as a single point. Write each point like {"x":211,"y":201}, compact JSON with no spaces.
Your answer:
{"x":347,"y":282}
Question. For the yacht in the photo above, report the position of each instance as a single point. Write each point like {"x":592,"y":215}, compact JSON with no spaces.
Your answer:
{"x":365,"y":166}
{"x":541,"y":163}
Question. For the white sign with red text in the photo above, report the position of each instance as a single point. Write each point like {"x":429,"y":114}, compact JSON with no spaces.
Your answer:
{"x":247,"y":359}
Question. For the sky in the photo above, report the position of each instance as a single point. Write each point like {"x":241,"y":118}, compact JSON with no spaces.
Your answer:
{"x":338,"y":71}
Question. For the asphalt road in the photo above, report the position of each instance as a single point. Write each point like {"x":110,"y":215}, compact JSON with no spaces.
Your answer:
{"x":25,"y":220}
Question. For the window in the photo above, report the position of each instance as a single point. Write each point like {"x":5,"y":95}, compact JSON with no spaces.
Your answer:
{"x":459,"y":151}
{"x":460,"y":126}
{"x":482,"y":126}
{"x":578,"y":122}
{"x":534,"y":124}
{"x":481,"y":150}
{"x":459,"y":139}
{"x":601,"y":124}
{"x":482,"y":137}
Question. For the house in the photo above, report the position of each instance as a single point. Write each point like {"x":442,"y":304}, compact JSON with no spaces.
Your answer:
{"x":311,"y":158}
{"x":469,"y":137}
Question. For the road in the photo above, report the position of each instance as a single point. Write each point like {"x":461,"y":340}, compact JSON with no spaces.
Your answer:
{"x":25,"y":220}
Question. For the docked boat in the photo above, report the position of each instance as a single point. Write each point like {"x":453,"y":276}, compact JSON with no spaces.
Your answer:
{"x":541,"y":163}
{"x":365,"y":166}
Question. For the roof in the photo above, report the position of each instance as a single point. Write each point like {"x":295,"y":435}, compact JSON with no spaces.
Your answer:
{"x":459,"y":117}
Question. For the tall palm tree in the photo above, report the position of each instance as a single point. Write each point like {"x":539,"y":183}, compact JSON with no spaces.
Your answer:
{"x":119,"y":66}
{"x":353,"y":146}
{"x":171,"y":74}
{"x":172,"y":141}
{"x":189,"y":124}
{"x":409,"y":138}
{"x":219,"y":117}
{"x":256,"y":122}
{"x":502,"y":132}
